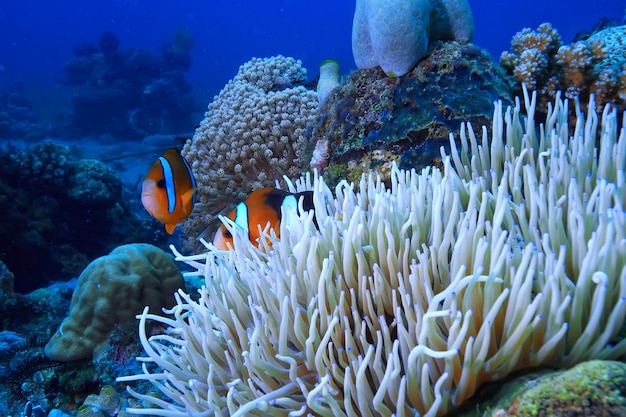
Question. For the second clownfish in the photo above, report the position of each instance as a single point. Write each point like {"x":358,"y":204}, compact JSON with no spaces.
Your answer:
{"x":262,"y":206}
{"x":168,"y":191}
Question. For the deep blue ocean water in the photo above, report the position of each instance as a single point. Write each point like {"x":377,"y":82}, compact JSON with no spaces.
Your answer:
{"x":38,"y":36}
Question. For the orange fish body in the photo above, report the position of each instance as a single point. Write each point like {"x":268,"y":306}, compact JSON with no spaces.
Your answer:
{"x":262,"y":206}
{"x":168,"y":191}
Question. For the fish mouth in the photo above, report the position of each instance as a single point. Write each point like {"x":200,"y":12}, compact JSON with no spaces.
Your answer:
{"x":147,"y":199}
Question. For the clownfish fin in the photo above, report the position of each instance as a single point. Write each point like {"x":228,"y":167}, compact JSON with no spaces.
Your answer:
{"x":169,"y":227}
{"x":188,"y":195}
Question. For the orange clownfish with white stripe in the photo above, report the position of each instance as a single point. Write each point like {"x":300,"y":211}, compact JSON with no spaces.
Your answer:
{"x":169,"y":189}
{"x":262,"y":206}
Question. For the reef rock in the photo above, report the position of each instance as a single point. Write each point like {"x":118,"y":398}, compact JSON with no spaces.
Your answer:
{"x":592,"y":388}
{"x":371,"y":119}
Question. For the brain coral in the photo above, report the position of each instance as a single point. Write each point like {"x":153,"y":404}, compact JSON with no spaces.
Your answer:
{"x":110,"y":291}
{"x":252,"y":135}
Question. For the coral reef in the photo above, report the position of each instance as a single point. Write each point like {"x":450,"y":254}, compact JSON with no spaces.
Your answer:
{"x":6,"y":280}
{"x":407,"y":298}
{"x":64,"y":209}
{"x":371,"y":120}
{"x":596,"y":64}
{"x":33,"y":410}
{"x":130,"y":93}
{"x":18,"y":119}
{"x":395,"y":35}
{"x":94,"y":183}
{"x":27,"y":375}
{"x":24,"y":369}
{"x":112,"y":290}
{"x":45,"y":165}
{"x":253,"y":133}
{"x":590,"y":388}
{"x":106,"y":403}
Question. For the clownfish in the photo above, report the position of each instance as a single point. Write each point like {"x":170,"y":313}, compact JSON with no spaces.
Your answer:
{"x":169,"y":189}
{"x":262,"y":206}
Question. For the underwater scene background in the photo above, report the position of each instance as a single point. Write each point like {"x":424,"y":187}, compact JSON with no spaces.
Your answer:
{"x":110,"y":111}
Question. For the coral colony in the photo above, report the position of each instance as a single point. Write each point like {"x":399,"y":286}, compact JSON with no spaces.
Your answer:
{"x":539,"y":59}
{"x":252,"y":133}
{"x":130,"y":92}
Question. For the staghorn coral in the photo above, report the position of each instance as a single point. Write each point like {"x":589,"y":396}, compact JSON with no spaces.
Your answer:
{"x":407,"y":298}
{"x":593,"y":65}
{"x":252,"y":135}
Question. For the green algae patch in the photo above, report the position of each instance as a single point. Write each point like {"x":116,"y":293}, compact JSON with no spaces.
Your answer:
{"x":593,"y":388}
{"x":590,"y":388}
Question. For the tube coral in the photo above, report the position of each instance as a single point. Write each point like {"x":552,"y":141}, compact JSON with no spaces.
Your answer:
{"x":406,"y":298}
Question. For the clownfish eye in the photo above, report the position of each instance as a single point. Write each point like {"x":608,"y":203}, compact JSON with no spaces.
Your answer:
{"x":227,"y":234}
{"x":161,"y":184}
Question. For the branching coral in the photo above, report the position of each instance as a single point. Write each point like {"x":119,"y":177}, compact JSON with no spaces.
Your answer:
{"x":530,"y":55}
{"x":252,"y":135}
{"x":406,"y":298}
{"x":577,"y":64}
{"x":593,"y":65}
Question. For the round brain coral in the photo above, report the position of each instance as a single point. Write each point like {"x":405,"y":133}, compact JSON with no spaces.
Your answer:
{"x":252,"y":135}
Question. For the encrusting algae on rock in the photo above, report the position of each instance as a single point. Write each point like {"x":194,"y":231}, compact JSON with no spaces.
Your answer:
{"x":594,"y":388}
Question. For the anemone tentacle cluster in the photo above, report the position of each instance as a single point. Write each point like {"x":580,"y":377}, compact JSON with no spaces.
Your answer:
{"x":408,"y":296}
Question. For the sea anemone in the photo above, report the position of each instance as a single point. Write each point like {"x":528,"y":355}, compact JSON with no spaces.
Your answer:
{"x":406,"y":297}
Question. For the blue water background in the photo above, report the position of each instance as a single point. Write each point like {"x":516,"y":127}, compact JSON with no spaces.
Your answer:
{"x":38,"y":36}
